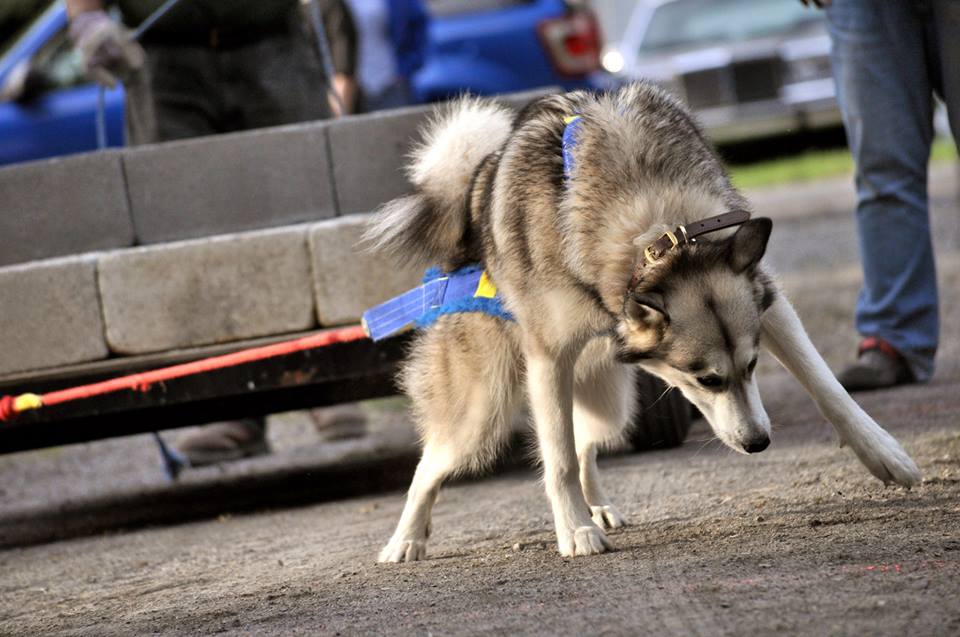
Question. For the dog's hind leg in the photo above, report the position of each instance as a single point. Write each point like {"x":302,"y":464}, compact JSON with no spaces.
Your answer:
{"x":462,"y":376}
{"x":783,"y":335}
{"x":409,"y":541}
{"x":603,"y":400}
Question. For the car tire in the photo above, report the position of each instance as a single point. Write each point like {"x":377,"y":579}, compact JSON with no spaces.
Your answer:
{"x":663,"y":417}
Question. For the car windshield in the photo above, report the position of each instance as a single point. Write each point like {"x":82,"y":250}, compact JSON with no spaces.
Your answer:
{"x":688,"y":22}
{"x":614,"y":16}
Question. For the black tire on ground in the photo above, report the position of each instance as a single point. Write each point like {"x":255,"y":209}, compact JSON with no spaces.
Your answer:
{"x":663,"y":417}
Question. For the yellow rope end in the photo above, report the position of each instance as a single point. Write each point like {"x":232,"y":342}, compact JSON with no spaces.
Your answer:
{"x":26,"y":402}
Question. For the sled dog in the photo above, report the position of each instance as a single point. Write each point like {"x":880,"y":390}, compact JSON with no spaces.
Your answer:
{"x":615,"y":240}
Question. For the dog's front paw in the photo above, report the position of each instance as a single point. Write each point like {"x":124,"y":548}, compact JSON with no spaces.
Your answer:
{"x":585,"y":540}
{"x":885,"y":458}
{"x":607,"y":517}
{"x":403,"y":551}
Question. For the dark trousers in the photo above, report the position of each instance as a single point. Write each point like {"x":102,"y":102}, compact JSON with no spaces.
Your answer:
{"x":189,"y":89}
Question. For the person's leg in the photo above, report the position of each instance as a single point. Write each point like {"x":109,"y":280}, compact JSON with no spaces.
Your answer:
{"x":945,"y":24}
{"x":271,"y":82}
{"x":885,"y":94}
{"x":170,"y":98}
{"x":276,"y":81}
{"x":175,"y":96}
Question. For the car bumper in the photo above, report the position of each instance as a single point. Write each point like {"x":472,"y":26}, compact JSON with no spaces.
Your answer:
{"x":797,"y":109}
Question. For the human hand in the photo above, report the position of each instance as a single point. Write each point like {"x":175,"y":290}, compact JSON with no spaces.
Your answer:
{"x":109,"y":54}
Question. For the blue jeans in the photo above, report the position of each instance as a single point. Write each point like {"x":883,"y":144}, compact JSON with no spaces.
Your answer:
{"x":889,"y":57}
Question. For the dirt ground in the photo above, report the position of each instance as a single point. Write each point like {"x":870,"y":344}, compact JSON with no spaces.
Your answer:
{"x":798,"y":540}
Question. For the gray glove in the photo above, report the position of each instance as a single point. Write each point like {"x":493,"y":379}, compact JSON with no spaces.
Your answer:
{"x":820,"y":4}
{"x":109,"y":54}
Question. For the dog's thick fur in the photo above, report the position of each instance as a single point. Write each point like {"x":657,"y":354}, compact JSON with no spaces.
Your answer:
{"x":490,"y":188}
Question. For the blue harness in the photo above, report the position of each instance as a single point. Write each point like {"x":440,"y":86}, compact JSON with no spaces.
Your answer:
{"x":468,"y":289}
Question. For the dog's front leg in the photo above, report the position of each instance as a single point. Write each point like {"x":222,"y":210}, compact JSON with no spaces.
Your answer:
{"x":550,"y":386}
{"x":783,"y":335}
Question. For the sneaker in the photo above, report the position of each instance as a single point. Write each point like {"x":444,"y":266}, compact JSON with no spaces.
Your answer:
{"x":224,"y":441}
{"x":340,"y":422}
{"x":878,"y":365}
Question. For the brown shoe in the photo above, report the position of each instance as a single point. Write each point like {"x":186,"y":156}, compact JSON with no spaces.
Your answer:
{"x":878,"y":365}
{"x":339,"y":422}
{"x":225,"y":441}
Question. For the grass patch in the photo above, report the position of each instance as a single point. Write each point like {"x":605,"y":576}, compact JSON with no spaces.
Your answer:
{"x":813,"y":165}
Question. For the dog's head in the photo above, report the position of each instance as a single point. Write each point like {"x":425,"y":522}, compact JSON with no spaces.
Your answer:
{"x":694,"y":321}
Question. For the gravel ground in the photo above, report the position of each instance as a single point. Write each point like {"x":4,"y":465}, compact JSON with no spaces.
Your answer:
{"x":799,"y":539}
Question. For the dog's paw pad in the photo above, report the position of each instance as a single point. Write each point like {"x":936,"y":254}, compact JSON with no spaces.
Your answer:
{"x":590,"y":540}
{"x":607,"y":517}
{"x":403,"y":551}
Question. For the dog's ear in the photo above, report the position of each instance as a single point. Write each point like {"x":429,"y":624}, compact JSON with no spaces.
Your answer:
{"x":749,"y":243}
{"x":646,"y":318}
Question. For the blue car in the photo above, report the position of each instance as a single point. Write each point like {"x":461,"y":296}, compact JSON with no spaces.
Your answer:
{"x":484,"y":46}
{"x":499,"y":46}
{"x":57,"y":114}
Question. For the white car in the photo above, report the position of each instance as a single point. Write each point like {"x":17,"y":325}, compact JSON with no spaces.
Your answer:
{"x":748,"y":68}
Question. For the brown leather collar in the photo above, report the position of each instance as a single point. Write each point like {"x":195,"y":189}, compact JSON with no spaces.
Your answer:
{"x":684,"y":235}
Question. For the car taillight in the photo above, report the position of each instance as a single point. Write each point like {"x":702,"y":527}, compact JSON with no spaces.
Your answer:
{"x":573,"y":42}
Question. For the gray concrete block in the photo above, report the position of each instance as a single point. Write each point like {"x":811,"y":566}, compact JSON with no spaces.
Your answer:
{"x":50,"y":314}
{"x":348,"y":280}
{"x":229,"y":183}
{"x":216,"y":290}
{"x":63,"y":206}
{"x":369,"y":152}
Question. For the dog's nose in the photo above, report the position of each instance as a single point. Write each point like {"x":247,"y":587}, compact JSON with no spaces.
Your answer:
{"x":757,"y":445}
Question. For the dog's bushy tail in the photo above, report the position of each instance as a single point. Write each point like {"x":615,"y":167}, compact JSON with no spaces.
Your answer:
{"x":429,"y":226}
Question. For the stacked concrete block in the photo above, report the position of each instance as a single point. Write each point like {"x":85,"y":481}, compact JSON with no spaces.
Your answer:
{"x":63,"y":206}
{"x":215,"y":290}
{"x":369,"y":152}
{"x":347,"y":279}
{"x":50,"y":315}
{"x":229,"y":183}
{"x":210,"y":285}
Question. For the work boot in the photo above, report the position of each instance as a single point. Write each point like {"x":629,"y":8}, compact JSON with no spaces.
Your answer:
{"x":878,"y":365}
{"x":225,"y":441}
{"x":339,"y":422}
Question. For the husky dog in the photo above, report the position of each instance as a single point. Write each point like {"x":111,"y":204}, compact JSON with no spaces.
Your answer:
{"x":566,"y":237}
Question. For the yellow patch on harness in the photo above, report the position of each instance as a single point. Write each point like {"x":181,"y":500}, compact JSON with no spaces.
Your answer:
{"x":485,"y":288}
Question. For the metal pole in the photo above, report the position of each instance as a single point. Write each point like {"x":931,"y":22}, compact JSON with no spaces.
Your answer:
{"x":101,"y":117}
{"x":147,"y":24}
{"x":323,"y":47}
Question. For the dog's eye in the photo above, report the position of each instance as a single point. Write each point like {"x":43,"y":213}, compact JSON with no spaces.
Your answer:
{"x":711,"y":381}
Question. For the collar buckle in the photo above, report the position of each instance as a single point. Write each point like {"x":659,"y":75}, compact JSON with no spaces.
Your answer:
{"x":655,"y":251}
